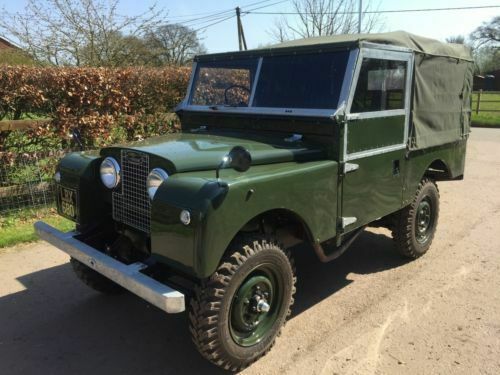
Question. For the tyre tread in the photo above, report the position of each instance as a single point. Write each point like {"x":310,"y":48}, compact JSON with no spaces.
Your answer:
{"x":402,"y":229}
{"x":206,"y":303}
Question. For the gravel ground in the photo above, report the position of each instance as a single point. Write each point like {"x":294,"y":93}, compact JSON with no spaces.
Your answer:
{"x":369,"y":312}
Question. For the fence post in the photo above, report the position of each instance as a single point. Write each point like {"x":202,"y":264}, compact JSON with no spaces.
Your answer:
{"x":478,"y":100}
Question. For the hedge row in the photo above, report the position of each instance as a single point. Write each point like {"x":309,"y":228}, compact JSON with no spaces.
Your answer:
{"x":106,"y":105}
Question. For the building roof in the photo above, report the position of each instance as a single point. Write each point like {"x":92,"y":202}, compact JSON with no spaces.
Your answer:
{"x":4,"y":44}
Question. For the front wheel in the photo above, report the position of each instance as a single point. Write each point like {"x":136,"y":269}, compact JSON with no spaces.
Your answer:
{"x":237,"y":313}
{"x":415,"y":225}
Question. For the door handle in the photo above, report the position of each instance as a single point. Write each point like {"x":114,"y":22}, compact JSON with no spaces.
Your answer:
{"x":395,"y":168}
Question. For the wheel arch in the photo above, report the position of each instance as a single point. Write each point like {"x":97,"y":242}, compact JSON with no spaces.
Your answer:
{"x":438,"y":170}
{"x":285,"y":224}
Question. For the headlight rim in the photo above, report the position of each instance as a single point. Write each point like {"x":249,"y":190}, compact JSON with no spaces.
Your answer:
{"x":117,"y":172}
{"x":162,"y":177}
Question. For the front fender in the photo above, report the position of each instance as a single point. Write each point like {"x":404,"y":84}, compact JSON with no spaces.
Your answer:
{"x":220,"y":210}
{"x":79,"y":172}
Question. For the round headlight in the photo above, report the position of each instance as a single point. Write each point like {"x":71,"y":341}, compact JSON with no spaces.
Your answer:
{"x":155,"y":178}
{"x":110,"y":173}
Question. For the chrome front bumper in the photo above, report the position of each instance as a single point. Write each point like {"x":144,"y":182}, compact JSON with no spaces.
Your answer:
{"x":128,"y":276}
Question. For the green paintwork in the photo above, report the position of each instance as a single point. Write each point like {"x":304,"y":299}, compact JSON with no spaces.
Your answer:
{"x":423,"y":220}
{"x":220,"y":211}
{"x":373,"y":190}
{"x":302,"y":179}
{"x":306,"y":189}
{"x":203,"y":151}
{"x":451,"y":155}
{"x":79,"y":171}
{"x":248,"y":325}
{"x":368,"y":134}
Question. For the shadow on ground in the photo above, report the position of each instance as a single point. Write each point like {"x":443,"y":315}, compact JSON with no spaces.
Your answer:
{"x":58,"y":326}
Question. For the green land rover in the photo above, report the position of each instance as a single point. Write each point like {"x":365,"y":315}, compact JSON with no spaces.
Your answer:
{"x":307,"y":141}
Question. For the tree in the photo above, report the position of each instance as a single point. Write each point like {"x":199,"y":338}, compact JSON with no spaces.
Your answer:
{"x":75,"y":32}
{"x":128,"y":50}
{"x":173,"y":44}
{"x":487,"y":34}
{"x":486,"y":43}
{"x":457,"y":39}
{"x":487,"y":59}
{"x":324,"y":17}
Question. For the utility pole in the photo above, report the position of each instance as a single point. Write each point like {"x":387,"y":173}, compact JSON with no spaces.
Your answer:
{"x":242,"y":43}
{"x":360,"y":15}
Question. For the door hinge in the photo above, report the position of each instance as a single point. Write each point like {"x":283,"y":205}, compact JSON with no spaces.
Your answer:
{"x":348,"y":221}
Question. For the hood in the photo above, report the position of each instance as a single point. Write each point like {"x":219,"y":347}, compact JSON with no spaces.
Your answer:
{"x":191,"y":152}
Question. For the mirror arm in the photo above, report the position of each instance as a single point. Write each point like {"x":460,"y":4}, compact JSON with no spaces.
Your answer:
{"x":225,"y":161}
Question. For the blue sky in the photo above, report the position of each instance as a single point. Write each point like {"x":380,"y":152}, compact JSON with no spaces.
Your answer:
{"x":222,"y":37}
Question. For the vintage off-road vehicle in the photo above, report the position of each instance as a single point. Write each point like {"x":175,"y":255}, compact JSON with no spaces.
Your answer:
{"x":306,"y":141}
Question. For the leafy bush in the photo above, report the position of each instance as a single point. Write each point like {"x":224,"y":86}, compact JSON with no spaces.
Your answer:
{"x":94,"y":100}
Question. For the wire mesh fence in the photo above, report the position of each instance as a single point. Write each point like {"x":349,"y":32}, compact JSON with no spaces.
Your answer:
{"x":26,"y":180}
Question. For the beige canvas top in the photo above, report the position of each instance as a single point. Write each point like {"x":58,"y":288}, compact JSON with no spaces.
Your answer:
{"x":396,"y":38}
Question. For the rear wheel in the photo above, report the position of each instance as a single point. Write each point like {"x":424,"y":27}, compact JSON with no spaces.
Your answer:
{"x":94,"y":279}
{"x":237,"y":313}
{"x":415,"y":225}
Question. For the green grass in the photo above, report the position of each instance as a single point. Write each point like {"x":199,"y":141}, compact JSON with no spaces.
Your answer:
{"x":17,"y":227}
{"x":484,"y":117}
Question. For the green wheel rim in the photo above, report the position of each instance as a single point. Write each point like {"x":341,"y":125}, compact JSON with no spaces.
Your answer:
{"x":424,"y":220}
{"x":256,"y":305}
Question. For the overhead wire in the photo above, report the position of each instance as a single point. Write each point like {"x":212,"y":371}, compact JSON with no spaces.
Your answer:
{"x":222,"y":18}
{"x":213,"y":15}
{"x":214,"y":23}
{"x":384,"y":11}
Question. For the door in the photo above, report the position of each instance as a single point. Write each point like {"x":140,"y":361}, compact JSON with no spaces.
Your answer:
{"x":376,"y":135}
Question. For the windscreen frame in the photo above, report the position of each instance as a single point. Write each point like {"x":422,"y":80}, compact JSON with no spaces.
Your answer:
{"x":308,"y":112}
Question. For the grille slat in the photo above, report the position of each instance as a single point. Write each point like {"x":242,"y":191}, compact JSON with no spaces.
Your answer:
{"x":132,"y":206}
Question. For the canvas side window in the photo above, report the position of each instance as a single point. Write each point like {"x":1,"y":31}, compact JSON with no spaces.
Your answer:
{"x":381,"y":86}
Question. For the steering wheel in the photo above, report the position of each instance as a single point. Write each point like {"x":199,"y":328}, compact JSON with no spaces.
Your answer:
{"x":226,"y":101}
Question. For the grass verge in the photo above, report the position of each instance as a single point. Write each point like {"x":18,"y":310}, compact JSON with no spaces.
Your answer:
{"x":486,"y":119}
{"x":489,"y":101}
{"x":17,"y":227}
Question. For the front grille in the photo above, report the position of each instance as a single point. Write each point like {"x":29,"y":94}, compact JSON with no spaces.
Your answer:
{"x":131,"y":205}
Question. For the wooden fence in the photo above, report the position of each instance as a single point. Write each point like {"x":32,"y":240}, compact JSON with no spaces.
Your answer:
{"x":9,"y":125}
{"x":480,"y":97}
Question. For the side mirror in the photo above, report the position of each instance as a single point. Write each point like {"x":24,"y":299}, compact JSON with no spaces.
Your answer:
{"x":238,"y":158}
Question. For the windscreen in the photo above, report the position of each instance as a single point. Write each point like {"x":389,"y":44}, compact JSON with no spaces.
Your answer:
{"x":307,"y":81}
{"x":224,"y":83}
{"x":301,"y":81}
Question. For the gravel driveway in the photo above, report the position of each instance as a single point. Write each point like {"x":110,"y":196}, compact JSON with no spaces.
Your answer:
{"x":369,"y":312}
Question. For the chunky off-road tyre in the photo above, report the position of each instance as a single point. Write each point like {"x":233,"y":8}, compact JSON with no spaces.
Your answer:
{"x":415,"y":225}
{"x":94,"y":279}
{"x":237,"y":313}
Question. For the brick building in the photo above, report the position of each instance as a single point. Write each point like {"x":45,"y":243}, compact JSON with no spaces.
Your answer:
{"x":5,"y":44}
